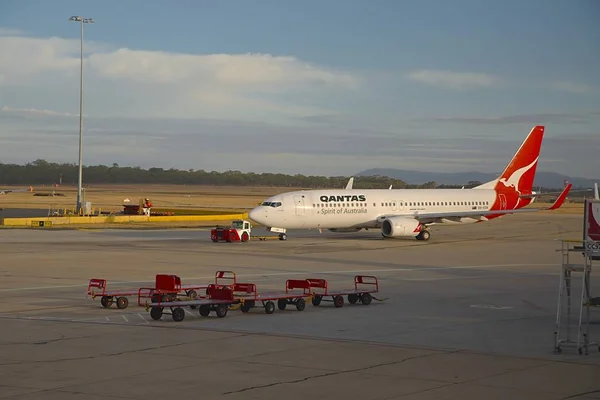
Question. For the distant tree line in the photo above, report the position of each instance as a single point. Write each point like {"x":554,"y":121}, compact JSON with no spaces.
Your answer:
{"x":43,"y":172}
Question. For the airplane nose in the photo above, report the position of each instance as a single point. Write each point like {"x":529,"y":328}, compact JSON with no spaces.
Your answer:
{"x":254,"y":215}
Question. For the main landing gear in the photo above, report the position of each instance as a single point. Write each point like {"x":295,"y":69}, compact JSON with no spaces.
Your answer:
{"x":282,"y":236}
{"x":423,"y":235}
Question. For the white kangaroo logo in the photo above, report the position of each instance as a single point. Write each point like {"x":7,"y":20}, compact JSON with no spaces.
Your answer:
{"x":515,"y":178}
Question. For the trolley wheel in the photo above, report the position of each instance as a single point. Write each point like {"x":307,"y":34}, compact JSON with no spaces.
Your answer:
{"x":122,"y":302}
{"x":247,"y":306}
{"x":557,"y":350}
{"x":204,"y":310}
{"x":178,"y":314}
{"x":338,"y":301}
{"x":156,"y":313}
{"x":222,"y":310}
{"x":192,"y":293}
{"x":281,"y":303}
{"x":300,"y":304}
{"x":366,"y":298}
{"x":352,"y":298}
{"x":269,"y":307}
{"x":106,"y":301}
{"x":316,"y":300}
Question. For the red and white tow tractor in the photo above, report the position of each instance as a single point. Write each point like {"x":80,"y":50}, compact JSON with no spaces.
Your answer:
{"x":238,"y":232}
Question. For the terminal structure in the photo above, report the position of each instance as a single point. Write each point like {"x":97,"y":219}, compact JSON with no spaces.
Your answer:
{"x":566,"y":316}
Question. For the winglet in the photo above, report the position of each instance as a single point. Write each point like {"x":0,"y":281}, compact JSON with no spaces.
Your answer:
{"x":350,"y":183}
{"x":561,"y":199}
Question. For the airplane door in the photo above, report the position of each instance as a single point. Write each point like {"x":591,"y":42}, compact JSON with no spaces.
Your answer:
{"x":502,"y":198}
{"x":299,"y":202}
{"x":401,"y":205}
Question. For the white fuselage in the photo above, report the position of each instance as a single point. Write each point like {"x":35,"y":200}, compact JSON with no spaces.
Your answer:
{"x":356,"y":208}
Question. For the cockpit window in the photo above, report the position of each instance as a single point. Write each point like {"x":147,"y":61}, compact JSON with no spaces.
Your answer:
{"x":273,"y":204}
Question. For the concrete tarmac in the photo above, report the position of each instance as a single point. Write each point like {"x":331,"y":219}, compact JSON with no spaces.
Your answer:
{"x":469,"y":314}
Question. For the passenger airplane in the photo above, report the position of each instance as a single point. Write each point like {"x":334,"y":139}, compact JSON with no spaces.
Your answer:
{"x":409,"y":212}
{"x":7,"y":191}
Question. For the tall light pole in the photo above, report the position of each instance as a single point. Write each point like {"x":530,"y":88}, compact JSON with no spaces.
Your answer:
{"x":81,"y":20}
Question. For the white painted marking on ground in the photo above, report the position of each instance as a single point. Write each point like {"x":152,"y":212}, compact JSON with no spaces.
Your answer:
{"x":489,"y":306}
{"x":125,"y":318}
{"x":295,"y":273}
{"x":143,"y":319}
{"x":188,"y":311}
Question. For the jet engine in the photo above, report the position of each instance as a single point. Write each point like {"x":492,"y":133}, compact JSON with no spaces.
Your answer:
{"x":400,"y":227}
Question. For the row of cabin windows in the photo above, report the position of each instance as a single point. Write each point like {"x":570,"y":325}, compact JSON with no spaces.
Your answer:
{"x":437,"y":203}
{"x":408,"y":203}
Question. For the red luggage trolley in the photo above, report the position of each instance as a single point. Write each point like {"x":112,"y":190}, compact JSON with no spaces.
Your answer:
{"x":364,"y":287}
{"x":218,"y":299}
{"x":249,"y":295}
{"x":97,"y":287}
{"x":168,"y":288}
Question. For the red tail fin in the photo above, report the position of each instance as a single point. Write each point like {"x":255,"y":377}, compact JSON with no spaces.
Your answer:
{"x":517,"y":178}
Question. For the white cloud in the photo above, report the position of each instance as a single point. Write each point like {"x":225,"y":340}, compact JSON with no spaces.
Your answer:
{"x":453,"y":80}
{"x":10,"y":32}
{"x":34,"y":112}
{"x":572,"y":87}
{"x":43,"y":73}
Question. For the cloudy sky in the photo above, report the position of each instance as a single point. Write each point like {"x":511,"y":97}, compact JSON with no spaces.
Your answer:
{"x":312,"y":86}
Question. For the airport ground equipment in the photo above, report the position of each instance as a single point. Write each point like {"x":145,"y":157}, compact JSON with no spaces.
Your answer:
{"x":579,"y":315}
{"x":168,"y":287}
{"x":97,"y":288}
{"x":297,"y":292}
{"x":218,"y":299}
{"x":170,"y":284}
{"x":239,"y":231}
{"x":364,"y":287}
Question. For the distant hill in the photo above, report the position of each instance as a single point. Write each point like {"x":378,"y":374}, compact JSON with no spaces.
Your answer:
{"x":543,"y":179}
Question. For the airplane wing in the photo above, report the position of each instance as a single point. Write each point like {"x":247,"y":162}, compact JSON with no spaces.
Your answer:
{"x":432,"y":216}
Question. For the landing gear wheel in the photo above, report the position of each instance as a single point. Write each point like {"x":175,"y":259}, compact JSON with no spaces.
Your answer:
{"x":316,"y":300}
{"x":424,"y":235}
{"x":338,"y":301}
{"x":269,"y":307}
{"x":300,"y":304}
{"x":245,"y":237}
{"x":281,"y":303}
{"x":222,"y":310}
{"x":204,"y":310}
{"x":156,"y":313}
{"x":282,"y":236}
{"x":366,"y":299}
{"x":352,"y":298}
{"x":106,"y":301}
{"x":122,"y":302}
{"x":178,"y":314}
